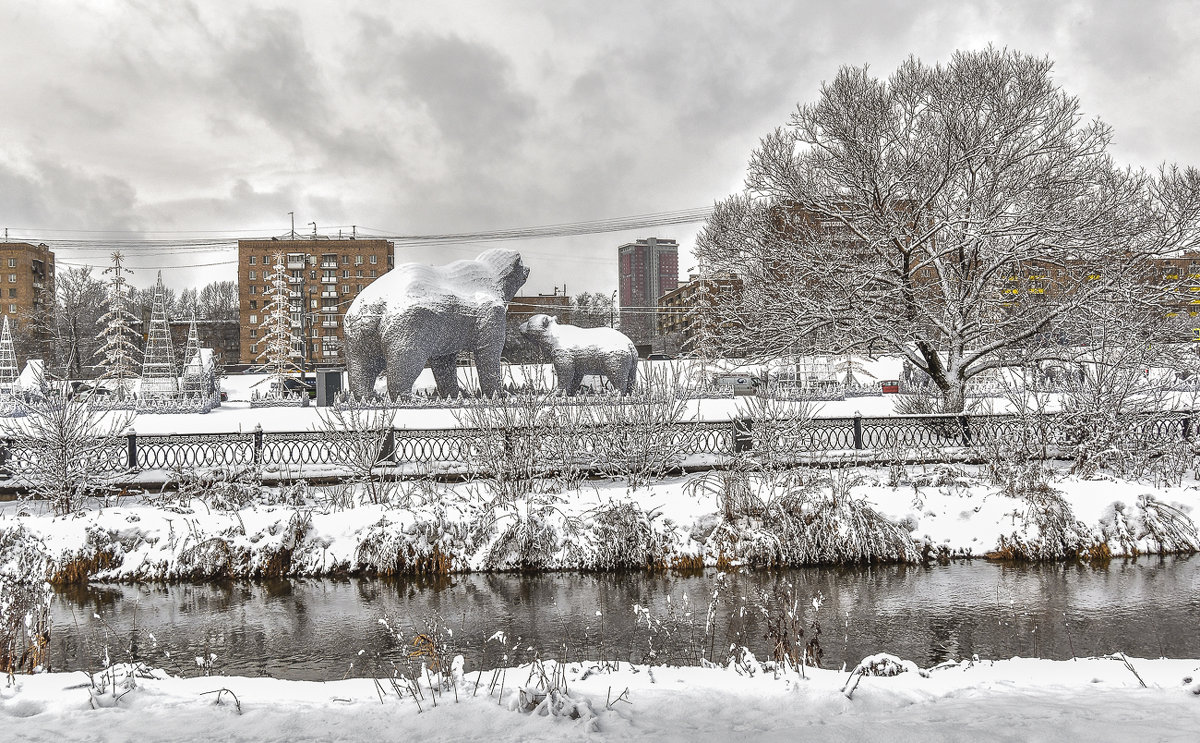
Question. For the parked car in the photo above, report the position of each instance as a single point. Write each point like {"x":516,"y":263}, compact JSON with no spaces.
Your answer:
{"x":660,"y":357}
{"x":743,"y":384}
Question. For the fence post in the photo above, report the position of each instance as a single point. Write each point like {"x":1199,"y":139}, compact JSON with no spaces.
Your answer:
{"x":858,"y":431}
{"x":964,"y":424}
{"x":387,"y":452}
{"x":4,"y":452}
{"x":743,"y":435}
{"x":131,"y":453}
{"x":1187,"y":429}
{"x":258,"y":443}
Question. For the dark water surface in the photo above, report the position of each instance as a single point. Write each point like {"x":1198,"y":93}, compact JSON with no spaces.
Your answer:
{"x":325,"y":629}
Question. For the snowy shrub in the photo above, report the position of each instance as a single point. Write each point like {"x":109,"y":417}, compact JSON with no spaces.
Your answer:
{"x":508,"y":446}
{"x":67,"y":448}
{"x":784,"y":519}
{"x":425,"y":547}
{"x":1050,"y":531}
{"x":632,"y":436}
{"x":24,"y":601}
{"x":360,"y":437}
{"x":1167,"y":526}
{"x":625,"y":538}
{"x":777,"y":428}
{"x":530,"y":542}
{"x":219,"y":489}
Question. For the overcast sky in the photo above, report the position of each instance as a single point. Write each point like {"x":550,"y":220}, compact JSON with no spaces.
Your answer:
{"x":437,"y":117}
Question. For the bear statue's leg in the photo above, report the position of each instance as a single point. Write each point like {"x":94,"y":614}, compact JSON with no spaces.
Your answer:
{"x":445,"y":373}
{"x":568,"y":380}
{"x":630,"y":375}
{"x":488,"y":347}
{"x":404,"y":365}
{"x":364,"y":363}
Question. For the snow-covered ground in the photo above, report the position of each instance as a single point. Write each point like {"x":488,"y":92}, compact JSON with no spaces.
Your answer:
{"x":1007,"y":700}
{"x":423,"y":525}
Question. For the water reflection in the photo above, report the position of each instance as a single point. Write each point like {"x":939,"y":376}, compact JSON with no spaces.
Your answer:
{"x":321,"y":629}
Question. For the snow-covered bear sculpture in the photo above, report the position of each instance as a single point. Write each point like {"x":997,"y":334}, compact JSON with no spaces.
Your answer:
{"x":417,"y":313}
{"x":576,"y":351}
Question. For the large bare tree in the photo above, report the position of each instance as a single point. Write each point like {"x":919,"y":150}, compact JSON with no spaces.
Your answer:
{"x":959,"y":215}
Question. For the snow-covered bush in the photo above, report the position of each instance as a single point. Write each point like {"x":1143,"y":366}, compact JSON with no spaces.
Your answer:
{"x":360,"y":436}
{"x":784,"y":519}
{"x":1154,"y":526}
{"x":24,"y":600}
{"x":625,"y":538}
{"x":66,"y":448}
{"x":632,"y":438}
{"x":1050,"y":531}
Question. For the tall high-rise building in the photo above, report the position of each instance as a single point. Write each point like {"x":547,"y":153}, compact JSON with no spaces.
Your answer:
{"x":324,"y":276}
{"x":646,"y":270}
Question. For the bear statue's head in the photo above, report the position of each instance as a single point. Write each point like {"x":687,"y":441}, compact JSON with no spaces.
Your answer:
{"x":538,"y":327}
{"x":508,"y":267}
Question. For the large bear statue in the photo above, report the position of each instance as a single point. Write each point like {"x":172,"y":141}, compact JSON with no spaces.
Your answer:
{"x":576,"y":352}
{"x":415,"y":314}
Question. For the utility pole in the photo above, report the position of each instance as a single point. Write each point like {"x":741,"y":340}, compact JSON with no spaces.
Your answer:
{"x":612,"y":311}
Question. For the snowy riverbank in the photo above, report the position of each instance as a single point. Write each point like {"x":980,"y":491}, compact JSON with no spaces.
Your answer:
{"x":1019,"y":699}
{"x":843,"y":515}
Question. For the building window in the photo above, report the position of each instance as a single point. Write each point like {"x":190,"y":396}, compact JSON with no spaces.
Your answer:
{"x":254,"y":304}
{"x":12,"y":293}
{"x":12,"y":308}
{"x":345,"y":273}
{"x":358,"y":273}
{"x":254,"y":319}
{"x":253,"y":332}
{"x":312,"y":303}
{"x":358,"y":260}
{"x":374,"y":273}
{"x":254,"y":289}
{"x":345,"y":288}
{"x":12,"y":262}
{"x":359,"y":288}
{"x":12,"y":278}
{"x":345,"y":259}
{"x":254,"y":348}
{"x":374,"y":259}
{"x":253,"y":275}
{"x":253,"y":259}
{"x":312,"y":275}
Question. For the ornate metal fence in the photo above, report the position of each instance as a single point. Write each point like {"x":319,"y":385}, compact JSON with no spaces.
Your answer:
{"x":294,"y":453}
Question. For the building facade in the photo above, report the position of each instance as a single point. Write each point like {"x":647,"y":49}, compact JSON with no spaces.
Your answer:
{"x":646,"y":270}
{"x":324,"y":276}
{"x":26,"y":292}
{"x":681,"y":320}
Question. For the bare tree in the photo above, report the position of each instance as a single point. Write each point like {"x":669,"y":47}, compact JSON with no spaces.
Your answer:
{"x":218,"y":301}
{"x":948,"y":214}
{"x":71,"y":323}
{"x":592,"y":310}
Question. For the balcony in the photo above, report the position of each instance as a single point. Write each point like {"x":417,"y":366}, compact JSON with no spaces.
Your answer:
{"x":329,"y":295}
{"x":329,"y":324}
{"x":295,"y":279}
{"x":329,"y":280}
{"x":296,"y":262}
{"x":294,"y":293}
{"x":329,"y":264}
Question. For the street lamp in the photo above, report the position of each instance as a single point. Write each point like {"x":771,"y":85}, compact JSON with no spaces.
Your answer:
{"x":612,"y":310}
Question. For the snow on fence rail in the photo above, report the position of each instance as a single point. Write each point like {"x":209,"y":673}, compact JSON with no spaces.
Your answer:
{"x":299,"y":452}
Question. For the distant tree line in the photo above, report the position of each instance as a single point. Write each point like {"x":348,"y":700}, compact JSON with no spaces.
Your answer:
{"x":68,"y":331}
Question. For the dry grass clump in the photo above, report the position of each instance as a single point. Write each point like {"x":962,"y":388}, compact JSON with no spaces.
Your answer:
{"x":1166,"y":526}
{"x":792,"y":519}
{"x":1050,"y":532}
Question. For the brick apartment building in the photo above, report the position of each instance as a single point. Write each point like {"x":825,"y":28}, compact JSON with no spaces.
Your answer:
{"x":26,"y":289}
{"x":324,"y":276}
{"x":646,"y":269}
{"x":679,"y":320}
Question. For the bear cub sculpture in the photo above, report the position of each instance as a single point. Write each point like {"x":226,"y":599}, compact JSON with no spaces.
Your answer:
{"x":415,"y":314}
{"x":576,"y":352}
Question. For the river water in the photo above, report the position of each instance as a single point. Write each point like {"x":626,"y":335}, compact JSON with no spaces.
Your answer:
{"x":327,"y":629}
